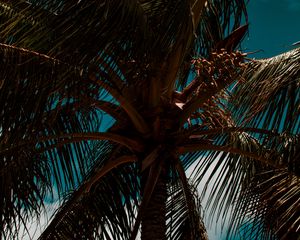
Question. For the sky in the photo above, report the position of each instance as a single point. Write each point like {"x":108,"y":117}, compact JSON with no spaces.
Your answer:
{"x":273,"y":29}
{"x":273,"y":26}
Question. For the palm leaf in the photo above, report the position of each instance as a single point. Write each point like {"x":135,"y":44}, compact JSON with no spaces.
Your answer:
{"x":47,"y":116}
{"x":98,"y":214}
{"x":267,"y":99}
{"x":273,"y":102}
{"x":89,"y":211}
{"x":269,"y":188}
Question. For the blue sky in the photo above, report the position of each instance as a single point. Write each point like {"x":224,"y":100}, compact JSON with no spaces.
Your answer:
{"x":274,"y":26}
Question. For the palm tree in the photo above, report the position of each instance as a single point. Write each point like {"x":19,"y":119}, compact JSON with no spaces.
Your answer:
{"x":108,"y":103}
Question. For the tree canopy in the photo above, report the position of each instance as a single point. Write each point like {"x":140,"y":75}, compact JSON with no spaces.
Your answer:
{"x":108,"y":103}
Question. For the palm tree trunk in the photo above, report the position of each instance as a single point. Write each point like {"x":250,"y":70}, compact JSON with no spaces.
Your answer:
{"x":154,"y":214}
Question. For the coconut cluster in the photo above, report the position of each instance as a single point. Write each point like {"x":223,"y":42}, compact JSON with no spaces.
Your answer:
{"x":220,"y":66}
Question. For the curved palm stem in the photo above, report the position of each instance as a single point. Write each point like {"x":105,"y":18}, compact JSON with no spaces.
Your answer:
{"x":110,"y":108}
{"x":107,"y":168}
{"x":233,"y":130}
{"x":222,"y":130}
{"x":208,"y":147}
{"x":132,"y":113}
{"x":34,"y":53}
{"x":77,"y":137}
{"x":187,"y":91}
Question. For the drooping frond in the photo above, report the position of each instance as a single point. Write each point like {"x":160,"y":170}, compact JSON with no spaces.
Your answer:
{"x":31,"y":87}
{"x":103,"y":207}
{"x":270,"y":96}
{"x":229,"y":169}
{"x":50,"y":114}
{"x":266,"y":106}
{"x":62,"y":29}
{"x":271,"y":203}
{"x":252,"y":185}
{"x":99,"y":214}
{"x":270,"y":207}
{"x":247,"y":152}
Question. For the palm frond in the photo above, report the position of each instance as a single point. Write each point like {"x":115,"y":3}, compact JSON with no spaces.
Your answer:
{"x":233,"y":175}
{"x":274,"y":194}
{"x":270,"y":206}
{"x":91,"y":210}
{"x":106,"y":212}
{"x":270,"y":97}
{"x":41,"y":97}
{"x":268,"y":103}
{"x":57,"y":30}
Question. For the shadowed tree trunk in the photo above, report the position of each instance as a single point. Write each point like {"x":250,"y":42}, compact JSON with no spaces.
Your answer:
{"x":154,"y":214}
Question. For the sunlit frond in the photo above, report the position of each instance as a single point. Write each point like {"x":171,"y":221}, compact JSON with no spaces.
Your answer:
{"x":270,"y":96}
